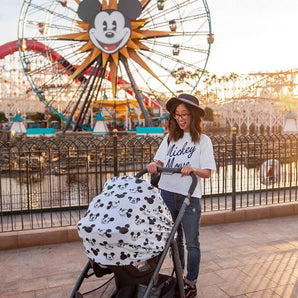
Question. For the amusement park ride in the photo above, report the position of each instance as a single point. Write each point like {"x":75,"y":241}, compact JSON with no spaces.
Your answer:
{"x":122,"y":59}
{"x":76,"y":69}
{"x":258,"y":102}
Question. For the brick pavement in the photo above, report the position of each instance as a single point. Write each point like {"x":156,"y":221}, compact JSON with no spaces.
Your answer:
{"x":256,"y":258}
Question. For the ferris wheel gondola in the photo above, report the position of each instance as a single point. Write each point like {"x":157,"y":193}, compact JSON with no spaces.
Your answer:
{"x":76,"y":52}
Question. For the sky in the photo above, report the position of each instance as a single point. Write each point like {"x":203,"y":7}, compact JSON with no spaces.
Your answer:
{"x":253,"y":36}
{"x":250,"y":35}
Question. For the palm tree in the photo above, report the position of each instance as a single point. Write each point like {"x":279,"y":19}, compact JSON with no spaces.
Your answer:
{"x":207,"y":83}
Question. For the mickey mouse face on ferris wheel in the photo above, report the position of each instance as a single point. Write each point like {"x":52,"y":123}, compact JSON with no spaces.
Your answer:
{"x":109,"y":29}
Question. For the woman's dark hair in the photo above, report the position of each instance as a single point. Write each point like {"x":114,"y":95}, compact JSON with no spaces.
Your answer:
{"x":195,"y":128}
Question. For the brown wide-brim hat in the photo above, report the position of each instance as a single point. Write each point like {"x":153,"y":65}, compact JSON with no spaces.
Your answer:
{"x":184,"y":98}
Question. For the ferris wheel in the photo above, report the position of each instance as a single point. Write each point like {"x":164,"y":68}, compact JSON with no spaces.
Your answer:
{"x":122,"y":58}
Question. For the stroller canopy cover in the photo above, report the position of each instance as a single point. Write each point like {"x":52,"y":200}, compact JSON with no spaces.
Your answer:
{"x":127,"y":223}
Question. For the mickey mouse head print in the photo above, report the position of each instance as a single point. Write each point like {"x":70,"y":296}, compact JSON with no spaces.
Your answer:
{"x":109,"y":29}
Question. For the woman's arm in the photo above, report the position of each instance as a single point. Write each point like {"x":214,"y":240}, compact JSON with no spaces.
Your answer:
{"x":203,"y":173}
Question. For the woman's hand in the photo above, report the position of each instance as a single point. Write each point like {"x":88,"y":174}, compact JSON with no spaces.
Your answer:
{"x":152,"y":167}
{"x":186,"y":170}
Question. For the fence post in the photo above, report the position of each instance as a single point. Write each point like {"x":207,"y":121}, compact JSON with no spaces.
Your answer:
{"x":100,"y":176}
{"x":115,"y":137}
{"x":234,"y":168}
{"x":27,"y":184}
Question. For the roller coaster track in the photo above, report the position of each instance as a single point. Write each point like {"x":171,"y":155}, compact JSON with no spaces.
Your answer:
{"x":50,"y":54}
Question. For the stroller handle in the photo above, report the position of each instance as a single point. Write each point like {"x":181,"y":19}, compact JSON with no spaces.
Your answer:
{"x":174,"y":171}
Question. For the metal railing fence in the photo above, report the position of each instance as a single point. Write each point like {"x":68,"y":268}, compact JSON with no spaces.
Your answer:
{"x":49,"y":182}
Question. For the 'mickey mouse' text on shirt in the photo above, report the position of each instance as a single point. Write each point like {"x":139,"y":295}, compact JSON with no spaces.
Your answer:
{"x":175,"y":151}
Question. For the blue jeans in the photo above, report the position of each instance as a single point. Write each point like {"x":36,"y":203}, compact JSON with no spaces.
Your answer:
{"x":190,"y":227}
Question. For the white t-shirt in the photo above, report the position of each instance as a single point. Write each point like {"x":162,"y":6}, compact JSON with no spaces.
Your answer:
{"x":180,"y":153}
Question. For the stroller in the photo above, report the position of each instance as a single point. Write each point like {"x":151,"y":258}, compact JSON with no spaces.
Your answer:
{"x":127,"y":232}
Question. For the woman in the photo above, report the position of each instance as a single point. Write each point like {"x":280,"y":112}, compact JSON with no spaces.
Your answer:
{"x":185,"y":147}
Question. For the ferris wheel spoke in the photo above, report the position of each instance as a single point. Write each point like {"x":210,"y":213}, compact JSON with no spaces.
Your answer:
{"x":173,"y":59}
{"x":166,"y":23}
{"x":66,"y":6}
{"x":51,"y":12}
{"x":97,"y":80}
{"x":52,"y":56}
{"x":145,"y":80}
{"x":175,"y":6}
{"x":41,"y":27}
{"x":191,"y":34}
{"x":71,"y":103}
{"x":162,"y":66}
{"x":195,"y":17}
{"x":97,"y":75}
{"x":76,"y":105}
{"x":181,"y":47}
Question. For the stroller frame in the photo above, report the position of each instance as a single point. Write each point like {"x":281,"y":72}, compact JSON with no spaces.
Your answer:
{"x":171,"y":243}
